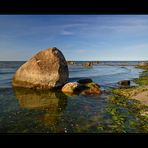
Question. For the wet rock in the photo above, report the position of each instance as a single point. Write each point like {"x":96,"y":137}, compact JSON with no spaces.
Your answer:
{"x":84,"y":89}
{"x":70,"y":87}
{"x":87,"y":64}
{"x":92,"y":89}
{"x":70,"y":62}
{"x":45,"y":70}
{"x":124,"y":83}
{"x":84,"y":81}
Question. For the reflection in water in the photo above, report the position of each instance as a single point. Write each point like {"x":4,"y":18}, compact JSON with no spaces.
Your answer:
{"x":50,"y":102}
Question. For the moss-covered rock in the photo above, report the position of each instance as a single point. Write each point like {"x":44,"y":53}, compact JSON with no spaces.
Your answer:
{"x":72,"y":88}
{"x":92,"y":89}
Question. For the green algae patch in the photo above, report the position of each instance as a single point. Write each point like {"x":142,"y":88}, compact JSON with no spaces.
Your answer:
{"x":127,"y":114}
{"x":143,"y":79}
{"x":126,"y":110}
{"x":137,"y":92}
{"x":129,"y":92}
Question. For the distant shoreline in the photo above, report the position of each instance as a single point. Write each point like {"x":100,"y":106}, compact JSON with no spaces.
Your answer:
{"x":86,"y":61}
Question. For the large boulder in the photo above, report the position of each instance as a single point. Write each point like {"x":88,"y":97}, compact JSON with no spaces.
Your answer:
{"x":46,"y":70}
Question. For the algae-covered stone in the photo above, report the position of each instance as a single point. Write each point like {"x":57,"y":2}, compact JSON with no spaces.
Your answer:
{"x":93,"y":89}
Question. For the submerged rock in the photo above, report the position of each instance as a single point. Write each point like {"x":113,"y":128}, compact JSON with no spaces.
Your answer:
{"x":46,"y":70}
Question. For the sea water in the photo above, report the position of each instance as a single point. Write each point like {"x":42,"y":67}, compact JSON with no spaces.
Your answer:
{"x":28,"y":111}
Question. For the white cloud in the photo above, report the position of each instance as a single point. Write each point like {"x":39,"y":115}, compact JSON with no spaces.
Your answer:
{"x":64,"y":32}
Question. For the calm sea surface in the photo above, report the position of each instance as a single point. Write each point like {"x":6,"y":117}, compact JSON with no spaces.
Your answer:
{"x":23,"y":111}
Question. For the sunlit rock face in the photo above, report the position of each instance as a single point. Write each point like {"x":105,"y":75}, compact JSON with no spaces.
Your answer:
{"x":70,"y":87}
{"x":46,"y":70}
{"x":83,"y":87}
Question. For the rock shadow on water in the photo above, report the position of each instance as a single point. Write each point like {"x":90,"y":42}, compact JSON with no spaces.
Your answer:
{"x":50,"y":102}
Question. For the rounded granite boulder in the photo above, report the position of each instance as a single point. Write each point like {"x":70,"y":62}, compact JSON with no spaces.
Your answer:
{"x":46,"y":70}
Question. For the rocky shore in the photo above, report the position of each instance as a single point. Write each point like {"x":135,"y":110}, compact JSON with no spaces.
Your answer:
{"x":48,"y":69}
{"x":125,"y":108}
{"x":138,"y":93}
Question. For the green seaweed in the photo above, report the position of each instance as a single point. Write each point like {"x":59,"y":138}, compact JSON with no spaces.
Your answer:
{"x":136,"y":117}
{"x":131,"y":120}
{"x":143,"y":79}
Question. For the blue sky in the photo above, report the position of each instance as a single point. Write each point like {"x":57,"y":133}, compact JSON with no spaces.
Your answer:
{"x":79,"y":37}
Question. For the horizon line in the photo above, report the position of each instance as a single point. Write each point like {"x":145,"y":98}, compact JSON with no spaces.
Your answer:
{"x":77,"y":60}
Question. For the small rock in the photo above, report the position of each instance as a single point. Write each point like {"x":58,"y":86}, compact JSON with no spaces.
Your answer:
{"x":92,"y":89}
{"x":124,"y":82}
{"x":84,"y":81}
{"x":70,"y":87}
{"x":70,"y":62}
{"x":87,"y":64}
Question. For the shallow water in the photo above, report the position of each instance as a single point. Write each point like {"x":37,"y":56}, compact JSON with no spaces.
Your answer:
{"x":24,"y":110}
